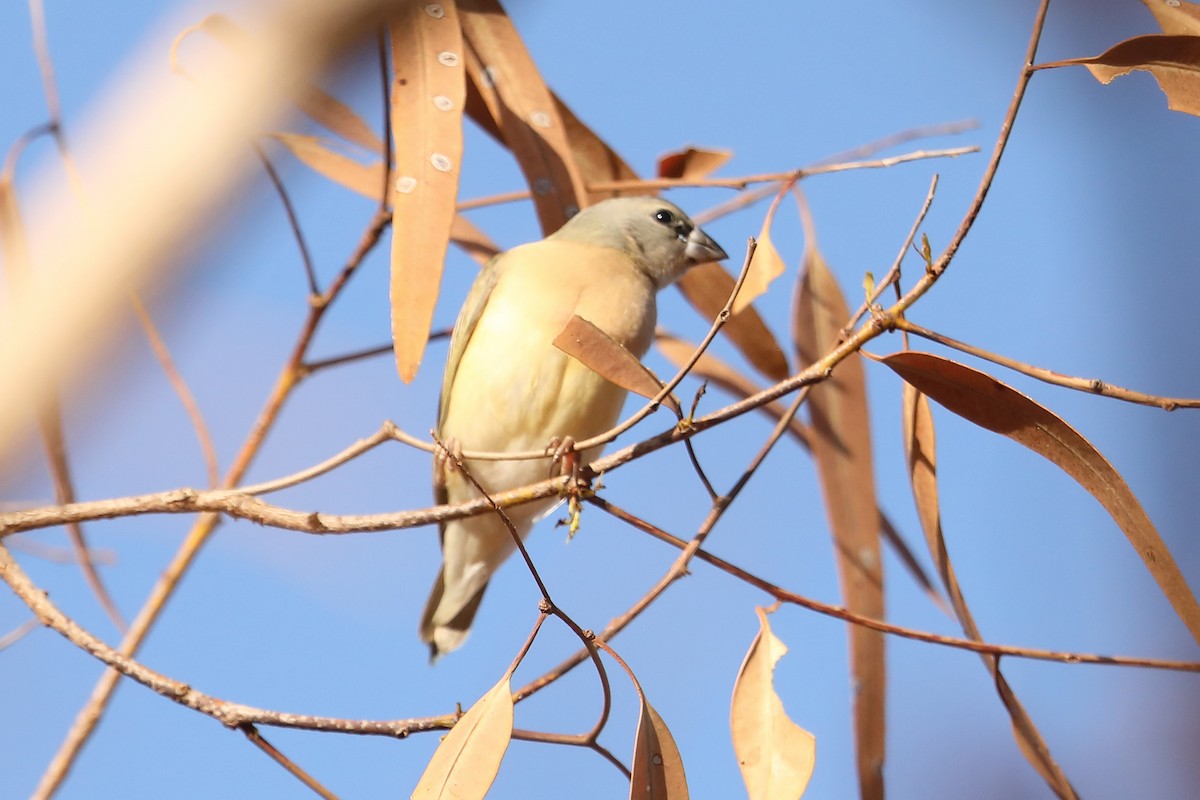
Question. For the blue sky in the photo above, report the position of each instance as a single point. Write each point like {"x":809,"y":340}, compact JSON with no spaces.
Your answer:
{"x":1083,"y":261}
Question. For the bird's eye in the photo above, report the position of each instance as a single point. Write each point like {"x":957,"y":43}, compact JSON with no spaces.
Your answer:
{"x":664,"y":216}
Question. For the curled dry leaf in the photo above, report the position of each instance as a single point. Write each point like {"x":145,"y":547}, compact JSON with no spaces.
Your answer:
{"x":841,"y":447}
{"x":765,"y":267}
{"x":600,"y":353}
{"x":921,"y":455}
{"x":468,"y":759}
{"x":707,"y":288}
{"x":692,"y":163}
{"x":776,"y":755}
{"x":657,"y":772}
{"x":428,"y":90}
{"x":998,"y":407}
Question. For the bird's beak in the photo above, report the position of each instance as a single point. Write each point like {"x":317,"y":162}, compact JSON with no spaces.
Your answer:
{"x":701,"y":248}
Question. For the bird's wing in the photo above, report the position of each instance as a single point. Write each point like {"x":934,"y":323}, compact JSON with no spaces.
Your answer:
{"x":465,"y":325}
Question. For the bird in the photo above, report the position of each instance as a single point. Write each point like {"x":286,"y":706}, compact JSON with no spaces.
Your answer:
{"x":507,"y":388}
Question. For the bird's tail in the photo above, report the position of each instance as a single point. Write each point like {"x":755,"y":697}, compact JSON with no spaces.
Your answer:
{"x":449,"y":635}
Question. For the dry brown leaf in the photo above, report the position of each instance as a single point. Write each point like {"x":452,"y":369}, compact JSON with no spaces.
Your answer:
{"x":776,"y":755}
{"x":595,"y":160}
{"x":428,"y":90}
{"x":1175,"y":17}
{"x":1174,"y":61}
{"x":841,"y":447}
{"x":466,"y":762}
{"x":657,"y":767}
{"x":511,"y":88}
{"x":707,"y":288}
{"x":997,"y":407}
{"x":366,"y":179}
{"x":337,"y":117}
{"x":921,"y":454}
{"x":600,"y":353}
{"x":765,"y":267}
{"x":692,"y":163}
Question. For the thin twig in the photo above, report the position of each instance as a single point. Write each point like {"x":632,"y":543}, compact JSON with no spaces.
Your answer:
{"x":677,"y":569}
{"x":892,"y":278}
{"x":1088,"y":385}
{"x":279,"y":758}
{"x":508,"y":523}
{"x":777,"y":177}
{"x":289,"y":210}
{"x":207,"y":449}
{"x":89,"y":715}
{"x":18,"y":633}
{"x":840,"y":613}
{"x":50,"y":417}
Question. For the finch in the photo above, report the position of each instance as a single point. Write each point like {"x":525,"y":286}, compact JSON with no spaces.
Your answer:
{"x":507,"y":388}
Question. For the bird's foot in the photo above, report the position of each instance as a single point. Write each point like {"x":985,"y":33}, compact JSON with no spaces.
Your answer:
{"x":448,"y":456}
{"x":564,"y":458}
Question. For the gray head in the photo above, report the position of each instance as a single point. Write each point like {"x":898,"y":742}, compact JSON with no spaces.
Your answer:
{"x":662,"y":240}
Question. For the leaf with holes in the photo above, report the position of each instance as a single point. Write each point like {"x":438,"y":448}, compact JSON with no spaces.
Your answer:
{"x":428,"y":90}
{"x":657,"y":772}
{"x":508,"y":85}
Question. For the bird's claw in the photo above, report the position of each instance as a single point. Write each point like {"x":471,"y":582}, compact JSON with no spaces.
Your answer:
{"x":448,"y":456}
{"x":564,"y":459}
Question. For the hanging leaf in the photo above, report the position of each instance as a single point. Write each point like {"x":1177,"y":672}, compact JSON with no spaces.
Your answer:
{"x":1174,"y":61}
{"x":468,"y":759}
{"x":600,"y":353}
{"x":921,"y":455}
{"x":657,"y":772}
{"x":997,"y":407}
{"x":707,"y":288}
{"x":776,"y":755}
{"x":692,"y":163}
{"x":841,"y":447}
{"x":428,"y":90}
{"x":509,"y":85}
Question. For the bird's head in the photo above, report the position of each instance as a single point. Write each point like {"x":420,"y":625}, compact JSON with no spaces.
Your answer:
{"x":660,"y":239}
